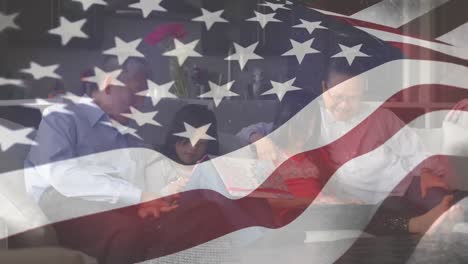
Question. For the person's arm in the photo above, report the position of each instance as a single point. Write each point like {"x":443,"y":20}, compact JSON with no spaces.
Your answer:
{"x":55,"y":160}
{"x":411,"y":151}
{"x":388,"y":222}
{"x":394,"y":217}
{"x":406,"y":143}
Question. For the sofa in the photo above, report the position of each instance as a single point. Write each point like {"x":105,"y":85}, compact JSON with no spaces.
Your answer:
{"x":19,"y":213}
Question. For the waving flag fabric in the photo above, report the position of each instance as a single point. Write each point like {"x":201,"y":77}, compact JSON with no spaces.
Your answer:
{"x":281,"y":129}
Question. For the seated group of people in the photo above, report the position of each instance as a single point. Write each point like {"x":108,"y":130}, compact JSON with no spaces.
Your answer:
{"x":124,"y":208}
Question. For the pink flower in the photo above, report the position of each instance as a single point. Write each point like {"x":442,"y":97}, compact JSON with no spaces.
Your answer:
{"x":170,"y":30}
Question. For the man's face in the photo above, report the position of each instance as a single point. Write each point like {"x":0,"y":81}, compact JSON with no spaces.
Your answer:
{"x":122,"y":97}
{"x":343,"y":101}
{"x":189,"y":154}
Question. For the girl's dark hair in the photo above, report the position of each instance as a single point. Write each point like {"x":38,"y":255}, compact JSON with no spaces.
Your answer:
{"x":196,"y":116}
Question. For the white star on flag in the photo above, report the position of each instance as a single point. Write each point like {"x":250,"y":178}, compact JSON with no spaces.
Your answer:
{"x":263,"y":19}
{"x":183,"y":51}
{"x":274,"y":6}
{"x":104,"y":79}
{"x":209,"y":18}
{"x":158,"y":91}
{"x":75,"y":99}
{"x":68,"y":30}
{"x":280,"y":89}
{"x":300,"y":50}
{"x":56,"y":108}
{"x":142,"y":118}
{"x":243,"y":55}
{"x":15,"y":82}
{"x":9,"y":137}
{"x":88,"y":3}
{"x":123,"y":49}
{"x":40,"y":104}
{"x":219,"y":92}
{"x":8,"y":21}
{"x":350,"y":53}
{"x":39,"y":72}
{"x":124,"y":130}
{"x":310,"y":26}
{"x":148,"y":6}
{"x":195,"y":134}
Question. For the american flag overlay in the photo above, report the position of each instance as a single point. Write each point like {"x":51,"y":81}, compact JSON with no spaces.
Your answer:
{"x":233,"y":131}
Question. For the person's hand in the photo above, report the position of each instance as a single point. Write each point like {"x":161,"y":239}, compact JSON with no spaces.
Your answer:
{"x":153,"y":206}
{"x":266,"y":149}
{"x":430,"y":180}
{"x":454,"y":115}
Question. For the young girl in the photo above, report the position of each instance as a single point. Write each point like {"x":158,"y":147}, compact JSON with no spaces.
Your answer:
{"x":173,"y":174}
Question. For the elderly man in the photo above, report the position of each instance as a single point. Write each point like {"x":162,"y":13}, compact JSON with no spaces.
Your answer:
{"x":415,"y":197}
{"x":66,"y":186}
{"x":349,"y":129}
{"x":343,"y":110}
{"x":84,"y":131}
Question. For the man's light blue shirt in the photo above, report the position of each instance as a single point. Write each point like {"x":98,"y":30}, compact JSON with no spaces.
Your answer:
{"x":67,"y":135}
